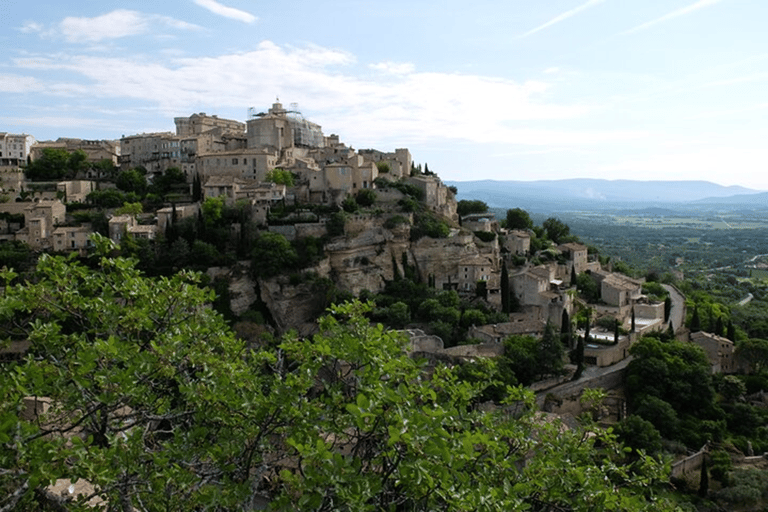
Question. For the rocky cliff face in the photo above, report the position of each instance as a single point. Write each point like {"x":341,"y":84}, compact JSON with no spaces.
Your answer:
{"x":365,"y":258}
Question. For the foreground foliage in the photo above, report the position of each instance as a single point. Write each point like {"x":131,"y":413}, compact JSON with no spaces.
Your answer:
{"x":160,"y":407}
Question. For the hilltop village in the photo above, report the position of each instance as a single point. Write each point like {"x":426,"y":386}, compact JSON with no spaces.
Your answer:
{"x":376,"y":214}
{"x":286,"y":225}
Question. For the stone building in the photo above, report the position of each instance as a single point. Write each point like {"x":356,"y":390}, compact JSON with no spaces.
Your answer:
{"x":75,"y":191}
{"x":156,"y":152}
{"x":517,"y":242}
{"x":197,"y":124}
{"x":399,"y":162}
{"x":719,"y":351}
{"x":15,"y":149}
{"x":576,"y":255}
{"x":520,"y":324}
{"x":72,"y":239}
{"x":40,"y":219}
{"x":95,"y":150}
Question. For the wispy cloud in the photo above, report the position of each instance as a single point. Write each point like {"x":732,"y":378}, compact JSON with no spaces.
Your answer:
{"x":18,"y":84}
{"x":115,"y":25}
{"x":409,"y":104}
{"x":31,"y":27}
{"x":396,"y":68}
{"x":563,"y":16}
{"x":226,"y":11}
{"x":674,"y":14}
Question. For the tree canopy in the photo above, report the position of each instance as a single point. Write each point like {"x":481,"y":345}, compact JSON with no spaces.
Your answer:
{"x":469,"y":206}
{"x":159,"y":406}
{"x":56,"y":164}
{"x":280,"y":177}
{"x":517,"y":218}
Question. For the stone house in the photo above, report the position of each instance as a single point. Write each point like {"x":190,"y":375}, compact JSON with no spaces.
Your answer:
{"x":480,"y":222}
{"x":121,"y":225}
{"x":72,"y":239}
{"x":617,"y":289}
{"x":399,"y":162}
{"x":75,"y":191}
{"x":719,"y":351}
{"x":477,"y":268}
{"x":517,"y":242}
{"x":165,"y":215}
{"x":436,"y":195}
{"x":576,"y":254}
{"x":197,"y":124}
{"x":520,"y":324}
{"x":530,"y":284}
{"x":15,"y":149}
{"x":40,"y":219}
{"x":224,"y":186}
{"x":250,"y":164}
{"x":156,"y":152}
{"x":95,"y":150}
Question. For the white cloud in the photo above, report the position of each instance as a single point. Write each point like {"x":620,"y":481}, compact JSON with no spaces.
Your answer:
{"x":563,"y":16}
{"x":674,"y":14}
{"x":18,"y":84}
{"x":395,"y":68}
{"x":31,"y":27}
{"x":115,"y":25}
{"x":228,"y":12}
{"x":407,"y":105}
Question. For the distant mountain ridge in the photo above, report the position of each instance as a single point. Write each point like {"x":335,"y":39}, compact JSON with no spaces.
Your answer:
{"x":596,"y":194}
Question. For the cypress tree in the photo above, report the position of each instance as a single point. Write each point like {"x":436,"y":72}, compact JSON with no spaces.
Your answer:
{"x":731,"y":331}
{"x":616,"y":332}
{"x":197,"y":189}
{"x":505,"y":289}
{"x":704,"y":478}
{"x":667,"y":308}
{"x":579,"y":358}
{"x":695,"y":321}
{"x":565,"y":329}
{"x":573,"y":275}
{"x":633,"y":319}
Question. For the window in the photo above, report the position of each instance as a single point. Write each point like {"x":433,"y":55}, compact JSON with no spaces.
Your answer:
{"x":234,"y":161}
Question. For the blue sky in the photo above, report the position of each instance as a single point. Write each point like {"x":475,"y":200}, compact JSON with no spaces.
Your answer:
{"x":519,"y":90}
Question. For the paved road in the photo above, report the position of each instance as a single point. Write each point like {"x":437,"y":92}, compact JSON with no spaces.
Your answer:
{"x":677,"y":314}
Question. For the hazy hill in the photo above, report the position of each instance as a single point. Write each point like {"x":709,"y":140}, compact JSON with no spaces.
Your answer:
{"x":594,"y":194}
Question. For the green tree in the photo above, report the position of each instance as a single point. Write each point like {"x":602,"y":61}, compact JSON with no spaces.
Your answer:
{"x":335,"y":224}
{"x":550,"y":352}
{"x":695,"y":324}
{"x":130,"y":209}
{"x":272,"y":255}
{"x":588,"y":287}
{"x":160,"y":407}
{"x":197,"y":188}
{"x":517,"y":218}
{"x":556,"y":230}
{"x":132,"y":180}
{"x":755,"y":352}
{"x":56,"y":164}
{"x":505,"y":299}
{"x":366,"y":197}
{"x":466,"y":207}
{"x":639,"y":433}
{"x":172,"y":178}
{"x":212,"y":209}
{"x":280,"y":177}
{"x":152,"y":399}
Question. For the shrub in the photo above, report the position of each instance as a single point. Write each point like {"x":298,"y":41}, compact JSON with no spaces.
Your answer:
{"x":395,"y":221}
{"x":485,"y":236}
